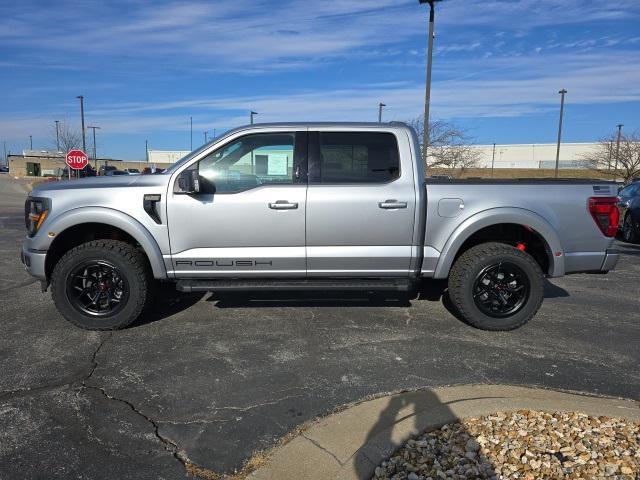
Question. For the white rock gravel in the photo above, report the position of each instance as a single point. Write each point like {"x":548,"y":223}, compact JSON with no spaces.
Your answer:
{"x":526,"y":444}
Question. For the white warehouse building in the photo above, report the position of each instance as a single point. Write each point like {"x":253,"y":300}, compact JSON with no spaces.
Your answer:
{"x":165,"y":156}
{"x":529,"y":155}
{"x":538,"y":155}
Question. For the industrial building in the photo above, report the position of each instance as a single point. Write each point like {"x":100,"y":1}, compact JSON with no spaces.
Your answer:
{"x":165,"y":156}
{"x":43,"y":163}
{"x":534,"y":155}
{"x":512,"y":156}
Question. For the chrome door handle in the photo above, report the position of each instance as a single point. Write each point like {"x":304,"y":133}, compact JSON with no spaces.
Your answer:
{"x":392,"y":204}
{"x":283,"y":205}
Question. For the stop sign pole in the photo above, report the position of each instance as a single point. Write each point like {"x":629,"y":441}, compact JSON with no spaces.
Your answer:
{"x":76,"y":159}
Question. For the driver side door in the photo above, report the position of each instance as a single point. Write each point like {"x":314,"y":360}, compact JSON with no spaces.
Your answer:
{"x":248,"y":219}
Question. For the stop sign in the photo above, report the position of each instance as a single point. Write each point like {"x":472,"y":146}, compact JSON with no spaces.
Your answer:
{"x":76,"y":159}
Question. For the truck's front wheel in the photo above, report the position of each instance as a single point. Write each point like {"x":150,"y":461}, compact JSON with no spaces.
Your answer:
{"x":101,"y":285}
{"x":495,"y":286}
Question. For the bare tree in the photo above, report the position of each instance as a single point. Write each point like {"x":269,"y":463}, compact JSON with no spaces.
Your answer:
{"x":68,"y":137}
{"x":449,"y":146}
{"x":607,"y":161}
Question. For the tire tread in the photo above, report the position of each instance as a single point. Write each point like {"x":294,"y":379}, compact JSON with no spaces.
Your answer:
{"x":465,"y":264}
{"x":130,"y":254}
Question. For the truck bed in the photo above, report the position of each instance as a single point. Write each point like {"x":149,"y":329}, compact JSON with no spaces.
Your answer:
{"x":554,"y":209}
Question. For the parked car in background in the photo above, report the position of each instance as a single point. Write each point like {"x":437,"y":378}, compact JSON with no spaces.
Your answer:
{"x":115,"y":173}
{"x":132,"y":171}
{"x":149,"y":170}
{"x":330,"y":206}
{"x":4,"y":169}
{"x":629,"y":207}
{"x":106,"y":168}
{"x":87,"y":171}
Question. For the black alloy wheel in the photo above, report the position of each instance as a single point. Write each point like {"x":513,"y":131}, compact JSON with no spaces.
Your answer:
{"x":496,"y":286}
{"x":97,"y":288}
{"x":102,"y":284}
{"x":501,"y":290}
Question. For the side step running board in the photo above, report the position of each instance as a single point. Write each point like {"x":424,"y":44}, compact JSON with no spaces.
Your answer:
{"x":335,"y":284}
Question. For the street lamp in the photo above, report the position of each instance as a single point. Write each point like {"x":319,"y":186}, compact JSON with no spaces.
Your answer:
{"x":251,"y":114}
{"x":57,"y":135}
{"x":562,"y":94}
{"x":427,"y":95}
{"x":30,"y":142}
{"x":95,"y":157}
{"x":493,"y":159}
{"x":620,"y":125}
{"x":205,"y":136}
{"x":84,"y":140}
{"x":191,"y":123}
{"x":380,"y":105}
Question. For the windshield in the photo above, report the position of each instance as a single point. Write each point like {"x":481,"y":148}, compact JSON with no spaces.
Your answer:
{"x":189,"y":156}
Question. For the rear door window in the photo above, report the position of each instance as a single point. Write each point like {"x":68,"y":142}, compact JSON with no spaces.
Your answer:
{"x":354,"y":157}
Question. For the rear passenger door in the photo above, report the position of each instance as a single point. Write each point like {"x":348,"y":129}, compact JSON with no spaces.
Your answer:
{"x":361,"y":204}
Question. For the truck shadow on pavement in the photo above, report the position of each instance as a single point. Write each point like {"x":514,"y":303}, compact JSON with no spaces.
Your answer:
{"x":167,"y":302}
{"x":445,"y":454}
{"x":433,"y":291}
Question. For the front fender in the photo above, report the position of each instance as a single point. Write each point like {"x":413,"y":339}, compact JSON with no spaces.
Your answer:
{"x":107,"y":216}
{"x":494,"y":216}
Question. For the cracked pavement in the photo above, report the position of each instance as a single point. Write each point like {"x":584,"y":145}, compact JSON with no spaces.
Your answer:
{"x":208,"y":381}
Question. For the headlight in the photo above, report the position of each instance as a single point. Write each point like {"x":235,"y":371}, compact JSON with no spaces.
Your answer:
{"x":35,"y":213}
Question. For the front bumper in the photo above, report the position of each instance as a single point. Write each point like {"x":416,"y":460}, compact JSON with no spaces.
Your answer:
{"x":610,"y":260}
{"x":33,"y":261}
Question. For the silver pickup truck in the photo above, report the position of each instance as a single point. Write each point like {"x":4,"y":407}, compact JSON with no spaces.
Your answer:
{"x":314,"y":206}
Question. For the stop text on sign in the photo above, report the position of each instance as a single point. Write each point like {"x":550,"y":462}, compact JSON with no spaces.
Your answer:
{"x":76,"y":159}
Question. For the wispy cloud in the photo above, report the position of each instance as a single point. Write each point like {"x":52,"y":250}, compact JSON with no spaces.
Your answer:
{"x":238,"y":32}
{"x":147,"y":66}
{"x":591,"y":80}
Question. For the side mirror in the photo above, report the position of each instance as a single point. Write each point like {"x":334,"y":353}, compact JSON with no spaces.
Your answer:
{"x":189,"y":181}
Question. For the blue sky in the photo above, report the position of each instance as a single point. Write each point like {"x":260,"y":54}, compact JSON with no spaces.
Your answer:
{"x":145,"y":67}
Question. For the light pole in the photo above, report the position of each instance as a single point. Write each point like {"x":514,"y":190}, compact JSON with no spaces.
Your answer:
{"x":84,"y":140}
{"x":562,"y":94}
{"x":251,"y":114}
{"x":493,"y":159}
{"x":620,"y":125}
{"x":205,"y":136}
{"x":191,"y":123}
{"x":146,"y":150}
{"x":95,"y":155}
{"x":427,"y":94}
{"x":6,"y":160}
{"x":214,"y":133}
{"x":380,"y":105}
{"x":30,"y":142}
{"x":58,"y":135}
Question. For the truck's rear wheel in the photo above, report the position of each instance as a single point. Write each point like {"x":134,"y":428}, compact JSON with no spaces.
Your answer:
{"x":101,"y":285}
{"x":495,"y":286}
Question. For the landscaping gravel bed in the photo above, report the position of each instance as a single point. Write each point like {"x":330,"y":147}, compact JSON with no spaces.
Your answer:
{"x":525,"y":445}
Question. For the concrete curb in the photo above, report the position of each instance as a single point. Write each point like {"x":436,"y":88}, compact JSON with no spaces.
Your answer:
{"x":349,"y":445}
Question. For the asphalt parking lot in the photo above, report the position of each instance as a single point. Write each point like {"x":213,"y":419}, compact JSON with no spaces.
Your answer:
{"x":211,"y":380}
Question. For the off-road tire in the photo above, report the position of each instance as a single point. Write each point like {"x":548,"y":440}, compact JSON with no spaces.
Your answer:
{"x":130,"y":262}
{"x":630,"y":235}
{"x":471,"y":263}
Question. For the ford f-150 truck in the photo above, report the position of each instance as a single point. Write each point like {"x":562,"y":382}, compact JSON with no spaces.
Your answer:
{"x":314,"y":206}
